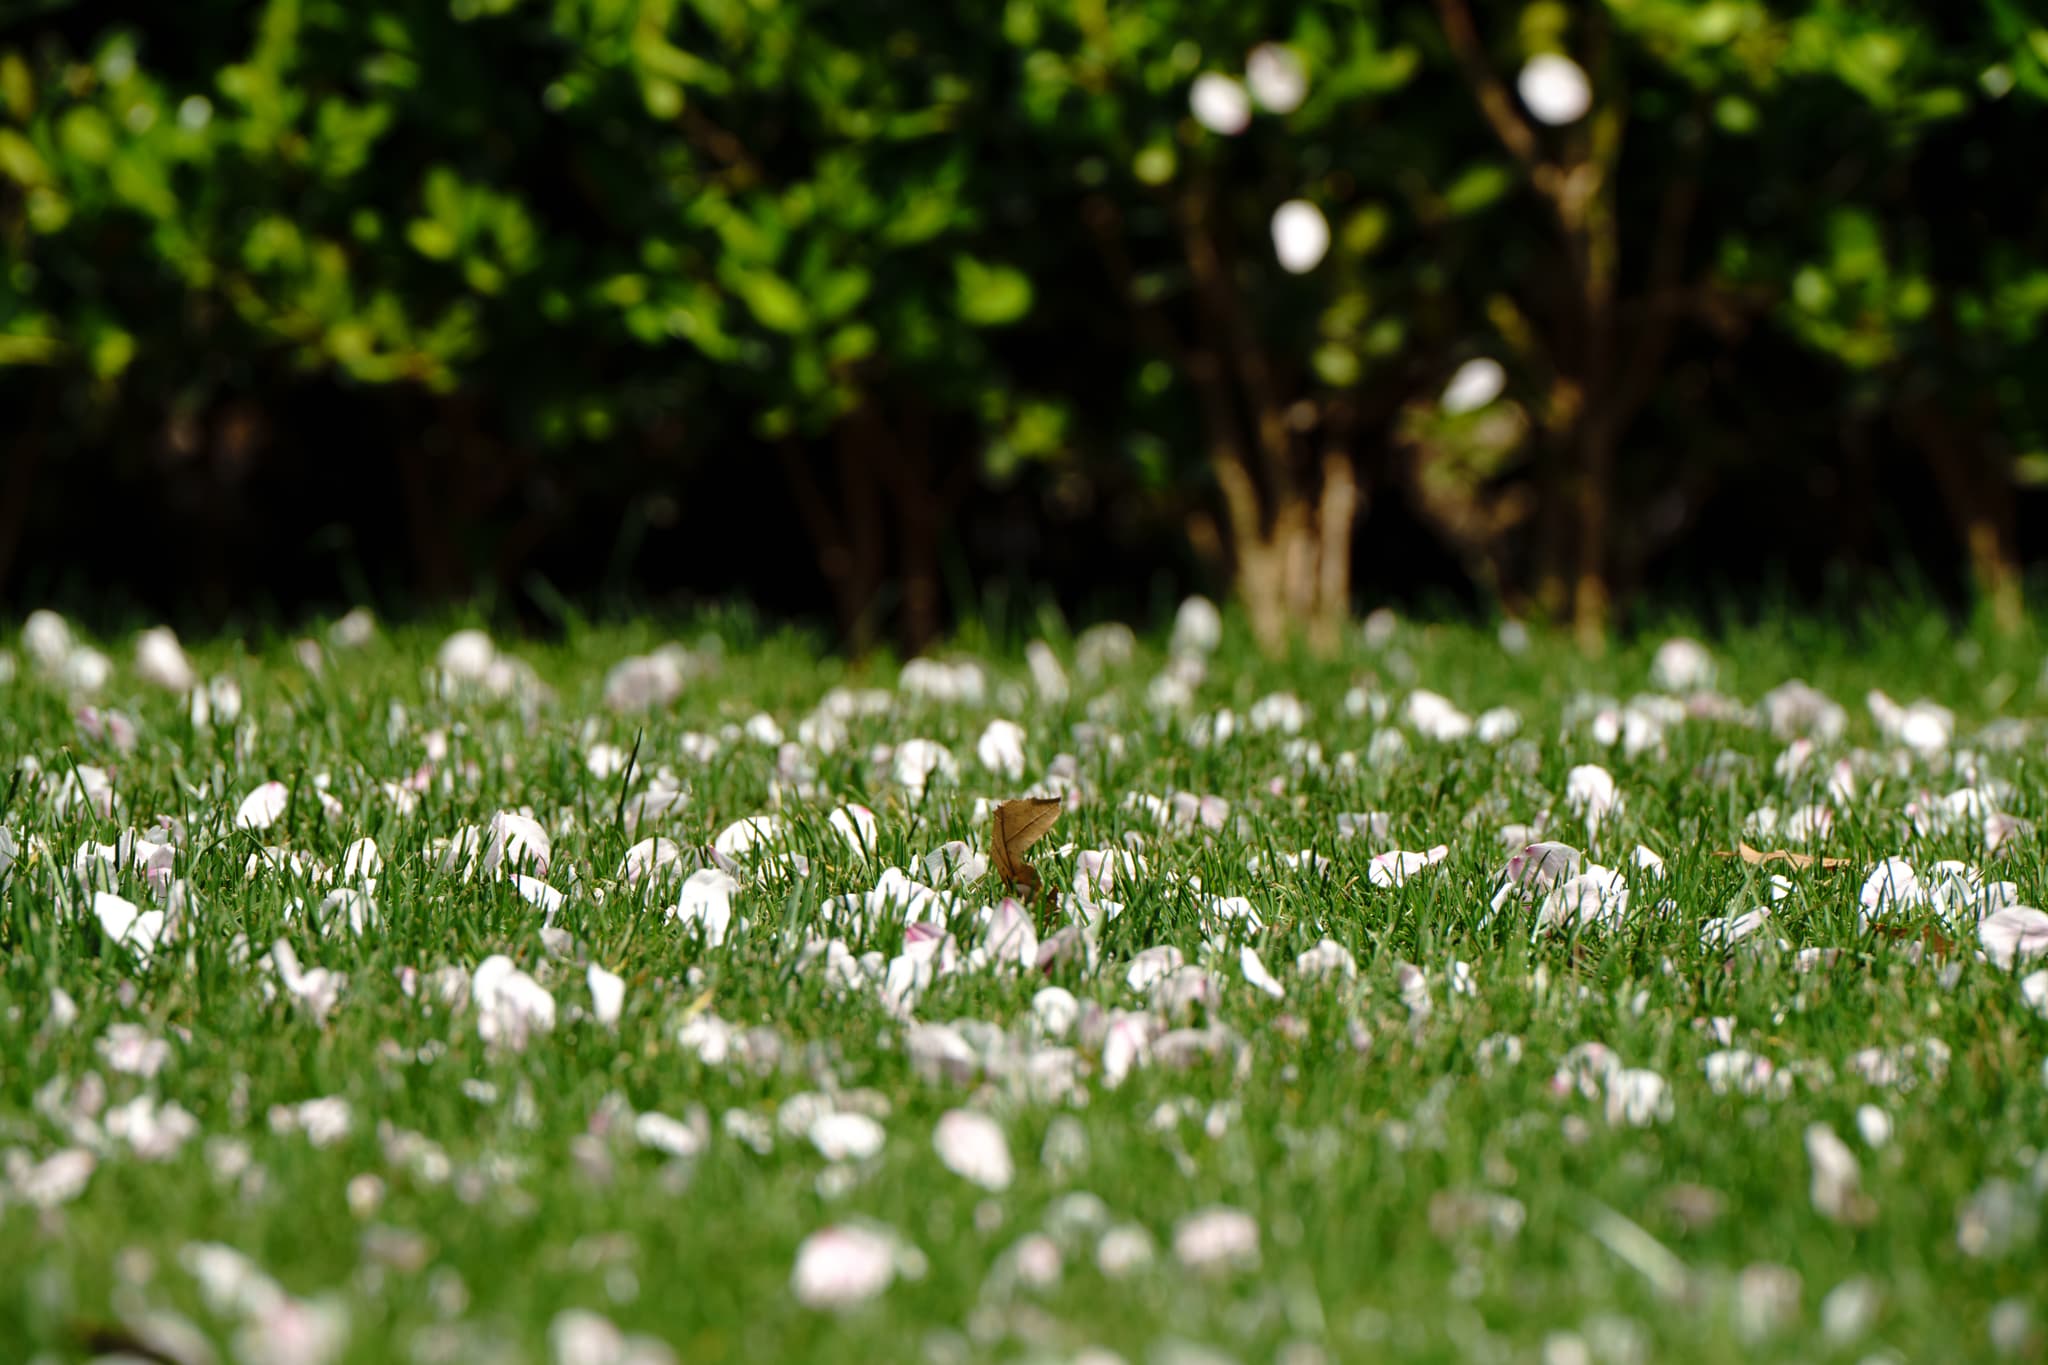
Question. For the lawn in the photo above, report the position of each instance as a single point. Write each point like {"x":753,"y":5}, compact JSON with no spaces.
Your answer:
{"x":402,"y":996}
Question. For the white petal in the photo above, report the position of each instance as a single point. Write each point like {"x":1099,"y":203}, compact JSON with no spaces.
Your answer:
{"x":856,"y":825}
{"x":2015,"y":934}
{"x":607,"y":995}
{"x":578,"y":1337}
{"x":1874,"y":1124}
{"x":518,"y":843}
{"x":2034,"y":990}
{"x":1056,"y":1010}
{"x":1256,"y":975}
{"x":1220,"y":104}
{"x":1001,"y":749}
{"x":1278,"y":80}
{"x":841,"y":1136}
{"x":1477,"y":383}
{"x":840,"y":1267}
{"x":1217,"y":1239}
{"x":706,"y":901}
{"x":46,"y":638}
{"x":467,"y":655}
{"x":663,"y":1133}
{"x":1836,"y":1188}
{"x":57,"y":1179}
{"x":262,"y":808}
{"x":136,"y":929}
{"x":1197,"y":627}
{"x":973,"y":1147}
{"x":1555,"y":89}
{"x":743,"y":836}
{"x":1301,"y":236}
{"x":160,"y":660}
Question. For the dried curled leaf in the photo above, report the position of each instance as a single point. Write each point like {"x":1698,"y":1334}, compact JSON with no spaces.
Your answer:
{"x":1017,"y":826}
{"x":1779,"y":855}
{"x":1932,"y":941}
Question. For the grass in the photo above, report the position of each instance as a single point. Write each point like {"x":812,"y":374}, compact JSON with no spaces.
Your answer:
{"x":1425,"y":1184}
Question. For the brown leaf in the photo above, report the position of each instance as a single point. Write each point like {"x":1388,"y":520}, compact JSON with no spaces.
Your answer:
{"x":1779,"y":855}
{"x":1018,"y":825}
{"x":1932,"y":941}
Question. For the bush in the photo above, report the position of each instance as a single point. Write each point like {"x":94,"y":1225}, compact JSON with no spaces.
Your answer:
{"x":1521,"y":266}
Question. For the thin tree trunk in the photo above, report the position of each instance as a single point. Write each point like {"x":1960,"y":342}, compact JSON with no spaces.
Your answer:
{"x":850,"y":577}
{"x":1977,"y":492}
{"x":1556,"y":517}
{"x":918,"y":518}
{"x":19,"y":486}
{"x":1597,"y":247}
{"x":1590,"y":591}
{"x":1290,"y":549}
{"x":865,"y":532}
{"x":1591,"y":408}
{"x":1995,"y":568}
{"x":1337,"y":517}
{"x":428,"y":518}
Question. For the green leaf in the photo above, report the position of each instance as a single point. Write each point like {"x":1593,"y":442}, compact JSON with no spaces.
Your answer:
{"x":839,"y":293}
{"x":1736,"y":115}
{"x":112,"y":350}
{"x":921,"y":219}
{"x":772,"y":300}
{"x":19,"y":160}
{"x":851,"y":344}
{"x":1154,"y":165}
{"x":990,"y":295}
{"x":1364,"y":230}
{"x":432,"y":238}
{"x":1477,"y":188}
{"x":1337,"y":365}
{"x":86,"y":135}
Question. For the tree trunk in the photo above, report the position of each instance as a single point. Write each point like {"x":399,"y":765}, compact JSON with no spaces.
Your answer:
{"x":1976,"y":488}
{"x":1290,"y":548}
{"x":1995,"y":571}
{"x":919,"y":521}
{"x":1295,"y":573}
{"x":1590,"y":590}
{"x":1337,"y":517}
{"x":19,"y":486}
{"x":428,"y":522}
{"x":847,"y":547}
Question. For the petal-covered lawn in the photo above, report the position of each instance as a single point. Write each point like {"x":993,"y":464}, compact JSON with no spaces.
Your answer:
{"x":384,"y":996}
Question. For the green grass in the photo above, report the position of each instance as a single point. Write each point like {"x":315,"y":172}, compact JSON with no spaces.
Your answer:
{"x":1418,"y":1195}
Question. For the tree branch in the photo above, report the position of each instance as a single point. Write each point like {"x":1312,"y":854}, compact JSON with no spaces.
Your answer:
{"x":1509,"y":126}
{"x":1105,"y":224}
{"x":810,"y":501}
{"x":1662,"y":302}
{"x":1217,"y":296}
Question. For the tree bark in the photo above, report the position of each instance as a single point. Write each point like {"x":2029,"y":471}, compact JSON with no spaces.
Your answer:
{"x":428,"y":517}
{"x":1977,"y":491}
{"x":848,"y":547}
{"x":904,"y":456}
{"x":1592,"y":405}
{"x":20,"y":484}
{"x":1336,"y":519}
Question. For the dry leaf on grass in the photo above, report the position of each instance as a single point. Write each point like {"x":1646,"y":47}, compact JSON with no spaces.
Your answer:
{"x":1018,"y":825}
{"x":1932,"y":941}
{"x":1779,"y":855}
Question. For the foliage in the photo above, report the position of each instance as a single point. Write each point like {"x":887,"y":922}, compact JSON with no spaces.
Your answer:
{"x":1226,"y":257}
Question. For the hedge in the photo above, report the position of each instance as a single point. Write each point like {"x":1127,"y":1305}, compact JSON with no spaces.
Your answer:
{"x":1534,"y":270}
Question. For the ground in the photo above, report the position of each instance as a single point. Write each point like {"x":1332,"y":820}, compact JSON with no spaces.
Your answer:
{"x":407,"y":996}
